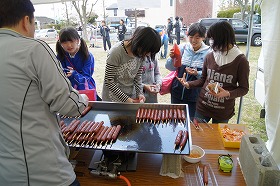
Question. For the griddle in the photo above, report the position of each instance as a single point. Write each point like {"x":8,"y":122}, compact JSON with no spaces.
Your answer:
{"x":138,"y":137}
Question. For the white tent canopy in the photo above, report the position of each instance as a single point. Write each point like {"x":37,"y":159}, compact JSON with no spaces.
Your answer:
{"x":271,"y":55}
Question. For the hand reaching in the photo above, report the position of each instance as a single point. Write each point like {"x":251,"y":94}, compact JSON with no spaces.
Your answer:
{"x":183,"y":81}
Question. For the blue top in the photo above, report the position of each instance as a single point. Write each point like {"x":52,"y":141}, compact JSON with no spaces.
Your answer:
{"x":81,"y":78}
{"x":192,"y":59}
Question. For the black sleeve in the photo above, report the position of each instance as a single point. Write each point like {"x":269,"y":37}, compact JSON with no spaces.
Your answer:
{"x":124,"y":29}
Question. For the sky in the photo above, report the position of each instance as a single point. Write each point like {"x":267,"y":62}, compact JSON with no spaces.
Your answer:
{"x":57,"y":10}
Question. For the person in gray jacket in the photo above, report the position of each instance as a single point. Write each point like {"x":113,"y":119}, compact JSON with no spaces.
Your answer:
{"x":151,"y":80}
{"x":34,"y":89}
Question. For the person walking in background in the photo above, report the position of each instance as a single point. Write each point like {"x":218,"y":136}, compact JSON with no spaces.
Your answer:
{"x":151,"y":80}
{"x":34,"y":90}
{"x":193,"y":55}
{"x":124,"y":66}
{"x":177,"y":27}
{"x":76,"y":60}
{"x":121,"y":30}
{"x":104,"y":31}
{"x":164,"y":42}
{"x":169,"y":30}
{"x":224,"y":76}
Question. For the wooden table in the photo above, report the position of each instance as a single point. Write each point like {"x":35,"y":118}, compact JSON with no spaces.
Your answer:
{"x":148,"y":168}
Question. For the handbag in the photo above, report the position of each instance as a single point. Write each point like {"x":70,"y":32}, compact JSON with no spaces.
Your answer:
{"x":91,"y":94}
{"x":167,"y":82}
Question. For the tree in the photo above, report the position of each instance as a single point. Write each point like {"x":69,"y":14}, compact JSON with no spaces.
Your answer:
{"x":243,"y":5}
{"x":83,"y":14}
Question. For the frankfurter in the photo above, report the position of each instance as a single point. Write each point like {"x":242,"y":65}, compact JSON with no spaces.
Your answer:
{"x":170,"y":117}
{"x":61,"y":123}
{"x":155,"y":115}
{"x":178,"y":138}
{"x":145,"y":115}
{"x":79,"y":130}
{"x":179,"y":114}
{"x":116,"y":133}
{"x":205,"y":175}
{"x":148,"y":115}
{"x":104,"y":137}
{"x":137,"y":115}
{"x":72,"y":128}
{"x":163,"y":115}
{"x":184,"y":140}
{"x":183,"y":116}
{"x":159,"y":116}
{"x":110,"y":134}
{"x":87,"y":109}
{"x":166,"y":115}
{"x":98,"y":139}
{"x":141,"y":115}
{"x":69,"y":126}
{"x":175,"y":116}
{"x":93,"y":137}
{"x":152,"y":115}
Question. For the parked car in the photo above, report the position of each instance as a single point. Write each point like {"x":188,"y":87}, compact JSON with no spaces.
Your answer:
{"x":240,"y":29}
{"x":46,"y":34}
{"x":163,"y":27}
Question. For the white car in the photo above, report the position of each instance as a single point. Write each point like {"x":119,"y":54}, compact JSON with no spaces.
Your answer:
{"x":46,"y":34}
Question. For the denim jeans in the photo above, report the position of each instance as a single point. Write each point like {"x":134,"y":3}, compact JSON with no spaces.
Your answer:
{"x":205,"y":119}
{"x":75,"y":183}
{"x":165,"y":48}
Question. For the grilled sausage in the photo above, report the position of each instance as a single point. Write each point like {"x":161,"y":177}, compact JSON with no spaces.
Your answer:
{"x":104,"y":137}
{"x":145,"y":115}
{"x":92,"y":138}
{"x":70,"y":126}
{"x":141,"y":114}
{"x":110,"y":134}
{"x":175,"y":116}
{"x":61,"y":123}
{"x":137,"y":115}
{"x":184,"y":140}
{"x":116,"y":132}
{"x":159,"y":116}
{"x":170,"y":117}
{"x":87,"y":127}
{"x":166,"y":115}
{"x":98,"y":139}
{"x":148,"y":115}
{"x":163,"y":115}
{"x":83,"y":124}
{"x":63,"y":128}
{"x":152,"y":115}
{"x":87,"y":109}
{"x":178,"y":138}
{"x":155,"y":115}
{"x":98,"y":127}
{"x":205,"y":175}
{"x":183,"y":115}
{"x":179,"y":114}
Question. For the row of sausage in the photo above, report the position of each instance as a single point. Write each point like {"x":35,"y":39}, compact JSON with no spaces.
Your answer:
{"x":89,"y":133}
{"x":160,"y":115}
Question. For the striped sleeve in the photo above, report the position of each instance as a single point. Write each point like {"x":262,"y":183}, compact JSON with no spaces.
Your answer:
{"x":109,"y":81}
{"x":138,"y":82}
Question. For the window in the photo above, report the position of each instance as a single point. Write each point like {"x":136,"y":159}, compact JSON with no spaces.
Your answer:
{"x":115,"y":12}
{"x":171,"y":2}
{"x":238,"y":23}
